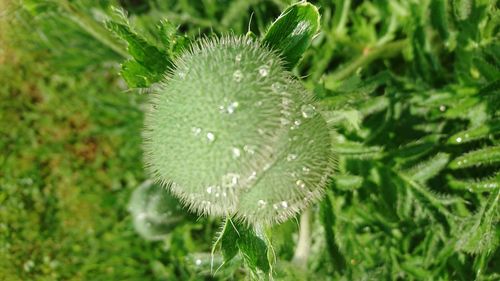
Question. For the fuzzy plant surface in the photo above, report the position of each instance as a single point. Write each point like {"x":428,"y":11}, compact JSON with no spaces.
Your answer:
{"x":232,"y":133}
{"x":154,"y":211}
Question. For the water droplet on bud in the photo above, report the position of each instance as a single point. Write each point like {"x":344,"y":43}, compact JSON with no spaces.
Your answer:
{"x":308,"y":110}
{"x":264,"y":70}
{"x":236,"y":152}
{"x":196,"y":131}
{"x":300,"y":183}
{"x":210,"y":137}
{"x":237,"y":76}
{"x":250,"y":149}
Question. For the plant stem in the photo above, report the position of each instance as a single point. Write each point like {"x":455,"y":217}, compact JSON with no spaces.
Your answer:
{"x":302,"y":251}
{"x":384,"y":51}
{"x":93,"y":28}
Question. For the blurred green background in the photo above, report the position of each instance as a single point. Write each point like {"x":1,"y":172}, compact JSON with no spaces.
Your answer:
{"x":70,"y":141}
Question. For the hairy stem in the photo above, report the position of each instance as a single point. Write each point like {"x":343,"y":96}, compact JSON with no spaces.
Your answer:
{"x":384,"y":51}
{"x":303,"y":245}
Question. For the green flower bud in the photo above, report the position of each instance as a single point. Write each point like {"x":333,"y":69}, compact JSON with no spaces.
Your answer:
{"x":234,"y":134}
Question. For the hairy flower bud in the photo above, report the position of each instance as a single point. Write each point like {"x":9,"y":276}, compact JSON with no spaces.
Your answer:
{"x":232,"y":133}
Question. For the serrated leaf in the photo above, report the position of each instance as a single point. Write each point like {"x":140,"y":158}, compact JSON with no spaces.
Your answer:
{"x":480,"y":132}
{"x":348,"y":182}
{"x":293,"y":31}
{"x":136,"y":75}
{"x":462,"y":8}
{"x":149,"y":63}
{"x":238,"y":238}
{"x":478,"y":186}
{"x":485,"y":156}
{"x":356,"y":149}
{"x":228,"y":242}
{"x":254,"y":249}
{"x":478,"y":233}
{"x":327,"y":217}
{"x":487,"y":70}
{"x":430,"y":168}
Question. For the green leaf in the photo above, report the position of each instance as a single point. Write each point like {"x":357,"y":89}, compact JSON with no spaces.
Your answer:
{"x":428,"y":169}
{"x":485,"y":156}
{"x":477,"y":186}
{"x":438,"y":17}
{"x":228,"y":242}
{"x":462,"y":8}
{"x":238,"y":238}
{"x":348,"y":182}
{"x":293,"y":31}
{"x":478,"y":232}
{"x":136,"y":75}
{"x":356,"y":149}
{"x":480,"y":132}
{"x":149,"y":62}
{"x":254,"y":249}
{"x":328,"y":219}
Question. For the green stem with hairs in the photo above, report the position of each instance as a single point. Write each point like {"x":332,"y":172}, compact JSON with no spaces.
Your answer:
{"x":385,"y":51}
{"x":304,"y":244}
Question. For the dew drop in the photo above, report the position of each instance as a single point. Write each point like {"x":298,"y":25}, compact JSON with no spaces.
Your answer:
{"x":232,"y":107}
{"x":230,"y":180}
{"x":261,"y":203}
{"x":296,"y":125}
{"x":252,"y":176}
{"x":209,"y":189}
{"x":264,"y":70}
{"x":277,"y":87}
{"x":182,"y":75}
{"x":266,"y":167}
{"x":284,"y":121}
{"x":250,"y":149}
{"x":237,"y":76}
{"x":459,"y":139}
{"x":275,"y":206}
{"x":308,"y":110}
{"x":284,"y":204}
{"x":291,"y":157}
{"x":198,"y":262}
{"x":196,"y":131}
{"x":236,"y":152}
{"x":210,"y":137}
{"x":306,"y":170}
{"x":442,"y":108}
{"x":300,"y":183}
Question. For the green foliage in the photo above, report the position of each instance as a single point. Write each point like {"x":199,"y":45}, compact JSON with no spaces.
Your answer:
{"x":293,"y":31}
{"x":238,"y":238}
{"x":408,"y":90}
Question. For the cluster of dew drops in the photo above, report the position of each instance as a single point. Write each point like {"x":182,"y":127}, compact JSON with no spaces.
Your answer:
{"x":232,"y":179}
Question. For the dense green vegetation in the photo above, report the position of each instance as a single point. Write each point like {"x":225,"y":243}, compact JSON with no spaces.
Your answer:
{"x":410,"y":91}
